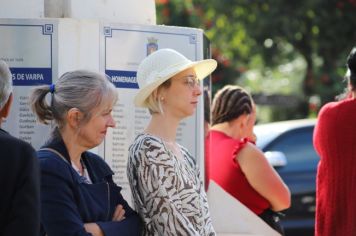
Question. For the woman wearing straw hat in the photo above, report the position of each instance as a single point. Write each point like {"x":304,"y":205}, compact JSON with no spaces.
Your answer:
{"x":165,"y":183}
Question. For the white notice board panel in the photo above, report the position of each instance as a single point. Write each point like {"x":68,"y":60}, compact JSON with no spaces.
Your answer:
{"x":122,"y":48}
{"x":29,"y":48}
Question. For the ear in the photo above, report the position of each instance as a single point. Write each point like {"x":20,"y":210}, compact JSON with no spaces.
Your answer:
{"x":5,"y":111}
{"x":74,"y":117}
{"x":243,"y":120}
{"x":161,"y":93}
{"x":155,"y":94}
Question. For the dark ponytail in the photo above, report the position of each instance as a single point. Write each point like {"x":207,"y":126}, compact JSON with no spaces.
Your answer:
{"x":351,"y":65}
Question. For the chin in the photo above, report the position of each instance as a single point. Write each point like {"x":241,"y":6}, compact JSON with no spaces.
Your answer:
{"x":96,"y":143}
{"x":99,"y":142}
{"x":188,"y":114}
{"x":192,"y":112}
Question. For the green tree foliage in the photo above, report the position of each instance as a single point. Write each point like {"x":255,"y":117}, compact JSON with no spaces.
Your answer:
{"x":265,"y":42}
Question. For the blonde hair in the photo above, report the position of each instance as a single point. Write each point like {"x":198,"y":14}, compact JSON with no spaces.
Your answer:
{"x":153,"y":101}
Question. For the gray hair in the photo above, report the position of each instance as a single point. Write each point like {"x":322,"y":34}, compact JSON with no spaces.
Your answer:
{"x":5,"y":83}
{"x":81,"y":89}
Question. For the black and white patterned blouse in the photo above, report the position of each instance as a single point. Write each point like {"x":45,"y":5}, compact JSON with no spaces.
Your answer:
{"x":167,"y":191}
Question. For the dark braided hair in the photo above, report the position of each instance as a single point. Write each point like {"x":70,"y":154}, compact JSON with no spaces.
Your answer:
{"x":229,"y":103}
{"x":350,"y":76}
{"x":351,"y":65}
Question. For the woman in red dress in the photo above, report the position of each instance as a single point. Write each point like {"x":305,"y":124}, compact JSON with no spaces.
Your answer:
{"x":236,"y":164}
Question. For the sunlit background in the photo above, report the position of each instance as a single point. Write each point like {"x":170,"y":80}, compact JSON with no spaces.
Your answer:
{"x":290,"y":55}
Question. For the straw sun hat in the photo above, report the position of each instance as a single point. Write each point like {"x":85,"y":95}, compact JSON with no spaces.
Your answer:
{"x":162,"y":65}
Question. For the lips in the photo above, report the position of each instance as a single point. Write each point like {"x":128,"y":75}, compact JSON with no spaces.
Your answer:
{"x":194,"y":104}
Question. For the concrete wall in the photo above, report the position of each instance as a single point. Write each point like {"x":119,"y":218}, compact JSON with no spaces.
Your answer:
{"x":120,"y":11}
{"x":21,"y":8}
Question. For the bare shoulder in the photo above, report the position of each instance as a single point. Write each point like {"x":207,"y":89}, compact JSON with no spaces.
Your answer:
{"x":250,"y":154}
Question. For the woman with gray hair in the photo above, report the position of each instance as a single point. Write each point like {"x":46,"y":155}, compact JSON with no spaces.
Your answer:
{"x":19,"y":176}
{"x":78,"y":194}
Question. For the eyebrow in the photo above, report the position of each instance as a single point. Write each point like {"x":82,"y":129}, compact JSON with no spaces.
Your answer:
{"x":193,"y":76}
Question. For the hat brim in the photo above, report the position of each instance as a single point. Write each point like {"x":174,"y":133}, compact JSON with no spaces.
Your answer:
{"x":202,"y":69}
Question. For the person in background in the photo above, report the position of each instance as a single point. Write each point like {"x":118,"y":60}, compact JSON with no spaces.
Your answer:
{"x":19,"y":173}
{"x":236,"y":164}
{"x":165,"y":182}
{"x":335,"y":142}
{"x":207,"y":118}
{"x":207,"y":104}
{"x":78,"y":194}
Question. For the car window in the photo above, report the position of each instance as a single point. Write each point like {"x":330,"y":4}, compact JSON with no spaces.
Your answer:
{"x":297,"y":145}
{"x":265,"y":136}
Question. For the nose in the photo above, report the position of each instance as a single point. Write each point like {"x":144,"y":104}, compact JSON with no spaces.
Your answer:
{"x":197,"y":90}
{"x":111,"y":122}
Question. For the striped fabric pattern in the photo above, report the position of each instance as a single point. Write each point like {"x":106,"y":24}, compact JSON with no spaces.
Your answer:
{"x":167,"y":191}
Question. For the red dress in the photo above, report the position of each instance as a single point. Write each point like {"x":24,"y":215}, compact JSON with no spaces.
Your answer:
{"x":335,"y":141}
{"x":226,"y":172}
